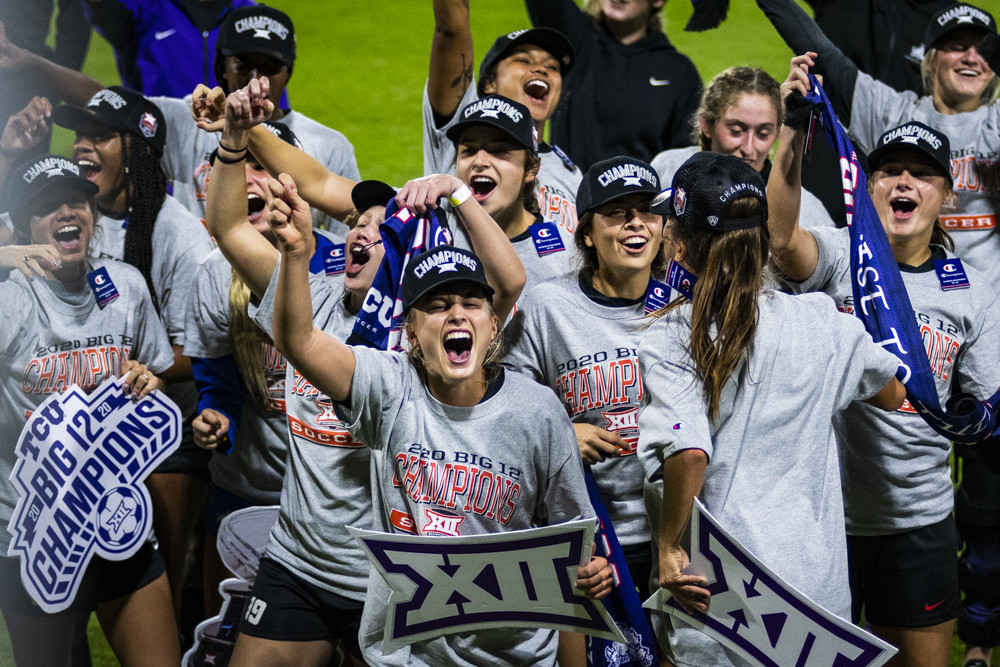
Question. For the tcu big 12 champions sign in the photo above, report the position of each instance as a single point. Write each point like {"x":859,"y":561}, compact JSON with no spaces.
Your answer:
{"x":81,"y":462}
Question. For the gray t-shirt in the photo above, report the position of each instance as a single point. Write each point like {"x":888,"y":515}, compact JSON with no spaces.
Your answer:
{"x":587,"y":353}
{"x":179,"y":243}
{"x":558,"y":178}
{"x":971,"y":216}
{"x":255,"y":467}
{"x":812,"y":213}
{"x":185,"y":159}
{"x":538,"y":268}
{"x":895,"y":467}
{"x":773,"y":477}
{"x":327,"y":483}
{"x":53,"y":338}
{"x":518,"y":447}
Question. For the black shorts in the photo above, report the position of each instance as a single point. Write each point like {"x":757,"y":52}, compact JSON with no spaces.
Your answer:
{"x":284,"y":607}
{"x":104,"y":580}
{"x":905,"y":580}
{"x":189,"y":458}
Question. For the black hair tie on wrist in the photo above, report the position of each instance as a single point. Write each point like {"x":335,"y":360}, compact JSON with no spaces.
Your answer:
{"x":231,"y":160}
{"x":234,"y":151}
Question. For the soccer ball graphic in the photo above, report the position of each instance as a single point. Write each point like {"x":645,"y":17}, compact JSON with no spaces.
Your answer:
{"x":121,"y":519}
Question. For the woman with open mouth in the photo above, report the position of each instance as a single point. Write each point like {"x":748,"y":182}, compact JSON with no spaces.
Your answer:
{"x":57,"y":334}
{"x":898,"y":494}
{"x":120,"y":137}
{"x":579,"y":335}
{"x":449,"y":400}
{"x":741,"y":386}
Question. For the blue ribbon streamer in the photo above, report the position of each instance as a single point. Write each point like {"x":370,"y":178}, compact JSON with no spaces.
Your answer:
{"x":881,"y":301}
{"x":622,"y":603}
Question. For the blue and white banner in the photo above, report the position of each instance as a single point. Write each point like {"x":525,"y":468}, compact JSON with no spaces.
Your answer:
{"x":883,"y":304}
{"x":522,"y":578}
{"x":81,"y":462}
{"x":379,"y":324}
{"x":757,"y":615}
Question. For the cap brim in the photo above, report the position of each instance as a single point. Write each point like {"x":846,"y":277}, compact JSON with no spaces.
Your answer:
{"x":280,"y":56}
{"x":882,"y":152}
{"x":72,"y":117}
{"x":68,"y":183}
{"x":550,"y":40}
{"x":661,"y":204}
{"x":455,"y":131}
{"x":436,"y":287}
{"x":370,"y":193}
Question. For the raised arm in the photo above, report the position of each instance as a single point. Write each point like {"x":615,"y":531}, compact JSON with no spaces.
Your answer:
{"x":59,"y":82}
{"x":226,"y":202}
{"x":324,"y":360}
{"x":451,"y":56}
{"x":503,"y":267}
{"x":23,"y":132}
{"x":802,"y":34}
{"x":795,"y":249}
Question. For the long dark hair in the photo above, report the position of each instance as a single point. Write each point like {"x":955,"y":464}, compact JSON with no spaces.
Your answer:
{"x":730,"y":268}
{"x":145,"y":191}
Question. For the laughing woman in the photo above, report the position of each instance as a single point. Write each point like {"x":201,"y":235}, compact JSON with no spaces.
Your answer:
{"x":578,"y":335}
{"x":48,"y":305}
{"x":450,"y":398}
{"x":898,"y":494}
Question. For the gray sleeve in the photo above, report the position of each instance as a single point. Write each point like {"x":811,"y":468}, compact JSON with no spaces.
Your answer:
{"x":439,"y":153}
{"x":877,"y":108}
{"x":802,"y":34}
{"x":525,"y":350}
{"x":14,"y":319}
{"x":152,"y":346}
{"x":263,"y":313}
{"x":812,"y":213}
{"x":206,"y":325}
{"x":181,"y":136}
{"x":978,"y":364}
{"x":565,"y":497}
{"x":190,"y":245}
{"x":834,"y":261}
{"x":377,"y":391}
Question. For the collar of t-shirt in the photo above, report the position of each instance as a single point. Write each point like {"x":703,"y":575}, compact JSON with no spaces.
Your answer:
{"x":937,"y":252}
{"x":587,"y":285}
{"x":493,"y":387}
{"x":526,"y":234}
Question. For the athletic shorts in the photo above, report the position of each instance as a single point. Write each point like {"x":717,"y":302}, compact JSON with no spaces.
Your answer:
{"x":221,"y":503}
{"x":639,"y":558}
{"x":905,"y":580}
{"x":189,"y":458}
{"x":104,"y":581}
{"x":284,"y":607}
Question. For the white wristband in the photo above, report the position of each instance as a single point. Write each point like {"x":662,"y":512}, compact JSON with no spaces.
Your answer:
{"x":458,"y":197}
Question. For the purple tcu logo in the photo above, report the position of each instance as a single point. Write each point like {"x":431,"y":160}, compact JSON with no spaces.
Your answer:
{"x":442,"y":585}
{"x":81,"y":461}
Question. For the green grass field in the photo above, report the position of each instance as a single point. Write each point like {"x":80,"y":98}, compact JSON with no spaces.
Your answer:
{"x":361,"y":69}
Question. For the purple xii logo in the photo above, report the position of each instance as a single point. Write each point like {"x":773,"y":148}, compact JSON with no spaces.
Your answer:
{"x":523,"y":578}
{"x":81,"y":462}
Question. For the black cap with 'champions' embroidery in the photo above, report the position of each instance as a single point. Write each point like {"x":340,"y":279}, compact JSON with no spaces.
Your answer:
{"x":34,"y":179}
{"x":370,"y":193}
{"x":439,"y":266}
{"x":914,"y":137}
{"x":513,"y":118}
{"x":258,"y":29}
{"x":956,"y":17}
{"x":547,"y":39}
{"x":705,"y":185}
{"x":615,"y":177}
{"x":121,"y":109}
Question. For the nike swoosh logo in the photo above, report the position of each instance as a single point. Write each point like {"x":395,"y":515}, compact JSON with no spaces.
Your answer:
{"x":931,"y":607}
{"x":164,"y":34}
{"x":653,"y":81}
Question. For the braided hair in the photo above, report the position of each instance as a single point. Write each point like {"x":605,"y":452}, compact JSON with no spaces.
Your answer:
{"x":145,"y":191}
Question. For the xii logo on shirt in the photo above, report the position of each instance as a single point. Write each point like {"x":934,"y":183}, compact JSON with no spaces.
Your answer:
{"x":624,"y":422}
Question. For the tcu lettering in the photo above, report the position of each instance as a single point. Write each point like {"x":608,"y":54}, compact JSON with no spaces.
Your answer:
{"x":375,"y":302}
{"x":472,"y":488}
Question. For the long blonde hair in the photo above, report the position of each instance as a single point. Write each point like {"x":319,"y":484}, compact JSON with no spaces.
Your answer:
{"x":246,"y":339}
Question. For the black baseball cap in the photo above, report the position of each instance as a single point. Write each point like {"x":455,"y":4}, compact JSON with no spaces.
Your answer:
{"x":121,"y":109}
{"x":439,"y":266}
{"x":513,"y":118}
{"x":549,"y":39}
{"x":275,"y":127}
{"x":615,"y":177}
{"x":914,"y":137}
{"x":41,"y":176}
{"x":370,"y":193}
{"x":955,"y":17}
{"x":258,"y":29}
{"x":705,"y":185}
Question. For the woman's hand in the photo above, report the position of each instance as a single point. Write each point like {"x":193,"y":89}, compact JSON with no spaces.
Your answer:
{"x":422,"y":194}
{"x":290,"y":219}
{"x":28,"y":127}
{"x":31,"y":260}
{"x":139,"y":381}
{"x":687,"y":589}
{"x":208,"y":107}
{"x":798,"y":75}
{"x":597,"y":444}
{"x":594,"y":579}
{"x":211,"y":429}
